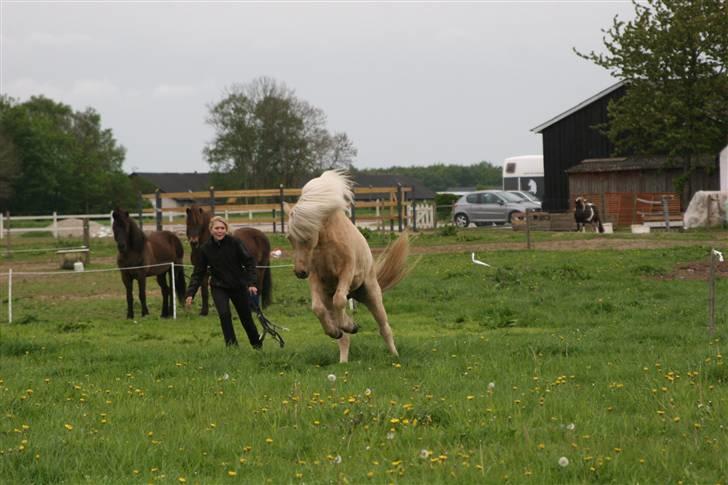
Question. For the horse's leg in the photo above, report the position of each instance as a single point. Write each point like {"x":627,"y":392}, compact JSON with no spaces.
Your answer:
{"x":129,"y":286}
{"x":162,"y":281}
{"x":320,"y":309}
{"x":344,"y":342}
{"x":205,"y":291}
{"x":339,"y":300}
{"x":373,"y":302}
{"x":142,"y":280}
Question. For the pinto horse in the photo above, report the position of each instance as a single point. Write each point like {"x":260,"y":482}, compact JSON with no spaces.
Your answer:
{"x":331,"y":252}
{"x":255,"y":241}
{"x":140,"y":253}
{"x":586,"y":213}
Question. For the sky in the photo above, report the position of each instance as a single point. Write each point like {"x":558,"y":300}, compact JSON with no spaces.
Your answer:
{"x":410,"y":83}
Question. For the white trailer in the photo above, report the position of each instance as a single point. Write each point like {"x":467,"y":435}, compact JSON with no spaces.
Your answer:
{"x":524,"y":173}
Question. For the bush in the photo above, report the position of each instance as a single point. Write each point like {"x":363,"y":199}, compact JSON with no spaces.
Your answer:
{"x":444,"y":203}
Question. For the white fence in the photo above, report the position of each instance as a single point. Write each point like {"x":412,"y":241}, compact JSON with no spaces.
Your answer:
{"x":59,"y":225}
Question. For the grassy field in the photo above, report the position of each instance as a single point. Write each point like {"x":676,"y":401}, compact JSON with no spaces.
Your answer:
{"x":548,"y":367}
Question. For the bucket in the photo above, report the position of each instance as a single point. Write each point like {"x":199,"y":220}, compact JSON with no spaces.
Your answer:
{"x":608,"y":228}
{"x":78,"y":266}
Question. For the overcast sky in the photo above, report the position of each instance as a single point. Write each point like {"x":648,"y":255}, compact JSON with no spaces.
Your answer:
{"x":410,"y":83}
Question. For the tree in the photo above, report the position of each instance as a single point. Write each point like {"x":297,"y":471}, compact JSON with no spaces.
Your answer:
{"x":265,"y":136}
{"x":674,"y":57}
{"x":66,"y":161}
{"x":440,"y":177}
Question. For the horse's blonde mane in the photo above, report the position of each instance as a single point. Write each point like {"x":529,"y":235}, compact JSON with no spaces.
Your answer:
{"x":320,"y":197}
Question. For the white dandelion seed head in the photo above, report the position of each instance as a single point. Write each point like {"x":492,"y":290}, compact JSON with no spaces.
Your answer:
{"x":337,"y":459}
{"x":563,"y":461}
{"x":491,"y":386}
{"x":571,"y":426}
{"x":424,"y":453}
{"x":226,"y":376}
{"x":331,"y":377}
{"x":390,"y":435}
{"x":367,"y":392}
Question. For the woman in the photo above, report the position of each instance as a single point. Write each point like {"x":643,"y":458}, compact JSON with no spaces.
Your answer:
{"x":232,"y":277}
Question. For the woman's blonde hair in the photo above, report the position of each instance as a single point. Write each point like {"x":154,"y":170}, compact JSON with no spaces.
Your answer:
{"x":221,"y":220}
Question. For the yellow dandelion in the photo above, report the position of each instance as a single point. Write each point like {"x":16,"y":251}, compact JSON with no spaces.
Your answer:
{"x":541,"y":446}
{"x":69,"y":427}
{"x":269,"y":440}
{"x":182,"y":480}
{"x":676,"y":419}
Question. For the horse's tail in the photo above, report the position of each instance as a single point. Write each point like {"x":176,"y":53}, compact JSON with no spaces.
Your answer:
{"x":391,"y":265}
{"x":601,"y":227}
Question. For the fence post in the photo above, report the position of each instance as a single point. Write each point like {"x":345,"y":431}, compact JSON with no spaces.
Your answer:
{"x":711,"y":294}
{"x":140,"y":209}
{"x":9,"y":253}
{"x":158,"y":210}
{"x":283,"y":213}
{"x":86,"y":241}
{"x":666,"y":213}
{"x":10,"y":295}
{"x":212,"y":200}
{"x":414,"y":211}
{"x":2,"y":225}
{"x":528,"y":230}
{"x":174,"y":293}
{"x":274,"y":221}
{"x":55,"y":225}
{"x":399,"y":205}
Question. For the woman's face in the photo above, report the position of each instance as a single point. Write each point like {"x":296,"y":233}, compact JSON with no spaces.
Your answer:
{"x":218,"y":230}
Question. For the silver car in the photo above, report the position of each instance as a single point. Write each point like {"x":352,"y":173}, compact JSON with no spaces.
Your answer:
{"x":489,"y":206}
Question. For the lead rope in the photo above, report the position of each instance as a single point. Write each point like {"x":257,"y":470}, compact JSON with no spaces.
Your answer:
{"x":269,"y":328}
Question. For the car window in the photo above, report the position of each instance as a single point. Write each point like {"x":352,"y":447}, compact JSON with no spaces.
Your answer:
{"x":489,"y":198}
{"x":509,"y":197}
{"x":520,"y":194}
{"x":472,"y":198}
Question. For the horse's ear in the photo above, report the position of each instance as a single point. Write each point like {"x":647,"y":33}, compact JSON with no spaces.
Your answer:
{"x":199,"y":209}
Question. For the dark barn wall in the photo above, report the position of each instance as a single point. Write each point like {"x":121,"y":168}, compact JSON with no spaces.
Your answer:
{"x":569,"y":141}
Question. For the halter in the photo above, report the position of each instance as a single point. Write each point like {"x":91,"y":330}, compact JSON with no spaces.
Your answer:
{"x":269,"y":328}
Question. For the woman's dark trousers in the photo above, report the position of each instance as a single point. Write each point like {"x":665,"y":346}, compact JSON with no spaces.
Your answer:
{"x":222,"y":298}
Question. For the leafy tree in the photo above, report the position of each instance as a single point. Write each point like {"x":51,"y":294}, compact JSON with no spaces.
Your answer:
{"x":439,"y":177}
{"x":674,"y":57}
{"x":67,"y":162}
{"x":265,"y":136}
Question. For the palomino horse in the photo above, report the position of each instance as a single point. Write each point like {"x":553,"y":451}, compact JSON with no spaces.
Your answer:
{"x":137,"y":250}
{"x":331,"y":252}
{"x":255,"y":241}
{"x":586,"y":213}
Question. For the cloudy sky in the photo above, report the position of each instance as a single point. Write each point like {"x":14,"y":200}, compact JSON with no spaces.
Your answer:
{"x":411,"y":83}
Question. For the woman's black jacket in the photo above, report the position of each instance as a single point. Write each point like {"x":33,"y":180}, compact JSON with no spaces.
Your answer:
{"x":229,"y":263}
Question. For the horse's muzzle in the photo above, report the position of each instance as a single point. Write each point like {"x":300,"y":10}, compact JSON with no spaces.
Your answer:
{"x":301,"y":274}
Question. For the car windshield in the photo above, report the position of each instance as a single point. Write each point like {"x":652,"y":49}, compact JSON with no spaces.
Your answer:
{"x":520,"y":194}
{"x":510,"y":197}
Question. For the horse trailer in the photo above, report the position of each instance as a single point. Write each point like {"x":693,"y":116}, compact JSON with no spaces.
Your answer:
{"x":524,"y":173}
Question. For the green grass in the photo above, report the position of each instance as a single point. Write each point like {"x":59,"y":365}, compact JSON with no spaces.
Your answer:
{"x":596,"y":356}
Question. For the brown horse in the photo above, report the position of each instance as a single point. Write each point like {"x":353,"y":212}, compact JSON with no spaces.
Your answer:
{"x":155,"y":251}
{"x":255,"y":241}
{"x":331,"y":252}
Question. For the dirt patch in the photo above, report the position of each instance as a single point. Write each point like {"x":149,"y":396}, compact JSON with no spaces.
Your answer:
{"x":696,"y":270}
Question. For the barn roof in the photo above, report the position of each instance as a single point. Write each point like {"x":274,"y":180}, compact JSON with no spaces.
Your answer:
{"x":623,"y":164}
{"x":586,"y":102}
{"x":176,"y":181}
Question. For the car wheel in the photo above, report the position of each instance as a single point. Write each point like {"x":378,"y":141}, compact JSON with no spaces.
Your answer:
{"x":461,"y":220}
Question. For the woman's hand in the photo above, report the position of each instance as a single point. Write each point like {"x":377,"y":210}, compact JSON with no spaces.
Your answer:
{"x":253,"y":290}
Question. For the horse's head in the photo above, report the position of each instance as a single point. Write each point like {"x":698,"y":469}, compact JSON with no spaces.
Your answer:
{"x":196,"y":226}
{"x":303,"y":243}
{"x":121,"y":228}
{"x":580,"y":202}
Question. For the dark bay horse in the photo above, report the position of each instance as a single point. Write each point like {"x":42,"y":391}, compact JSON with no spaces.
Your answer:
{"x":139,"y":249}
{"x":255,"y":241}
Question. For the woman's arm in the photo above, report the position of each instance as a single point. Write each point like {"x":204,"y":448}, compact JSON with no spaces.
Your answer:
{"x":197,"y":274}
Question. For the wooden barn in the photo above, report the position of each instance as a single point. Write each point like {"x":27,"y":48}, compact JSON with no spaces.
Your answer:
{"x":571,"y":137}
